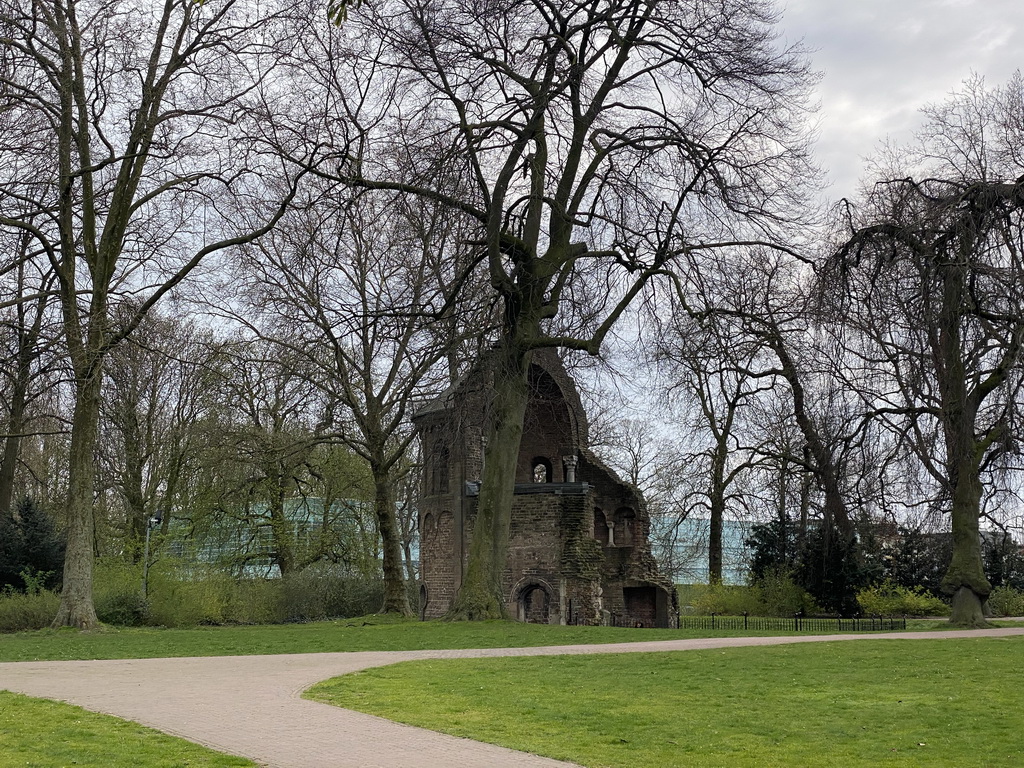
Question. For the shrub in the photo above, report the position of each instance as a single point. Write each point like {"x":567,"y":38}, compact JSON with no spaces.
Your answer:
{"x":1006,"y":601}
{"x":725,"y":599}
{"x":774,"y":594}
{"x":117,"y":592}
{"x":779,"y":595}
{"x":20,"y":611}
{"x":257,"y":601}
{"x":187,"y":595}
{"x":125,"y":609}
{"x":888,"y":599}
{"x":327,"y":591}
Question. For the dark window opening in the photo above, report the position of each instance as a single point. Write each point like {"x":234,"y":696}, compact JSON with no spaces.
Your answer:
{"x":625,"y":522}
{"x":600,"y":527}
{"x":439,"y":469}
{"x":534,"y":605}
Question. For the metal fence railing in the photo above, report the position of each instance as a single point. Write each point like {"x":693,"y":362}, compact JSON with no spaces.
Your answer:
{"x":795,"y":623}
{"x":798,"y":622}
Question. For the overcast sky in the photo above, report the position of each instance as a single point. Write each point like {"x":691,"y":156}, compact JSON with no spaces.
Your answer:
{"x":881,"y":60}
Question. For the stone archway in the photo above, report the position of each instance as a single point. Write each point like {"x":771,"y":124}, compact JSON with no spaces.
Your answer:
{"x":534,"y":603}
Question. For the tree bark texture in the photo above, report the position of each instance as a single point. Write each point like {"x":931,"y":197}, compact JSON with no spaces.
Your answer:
{"x":396,"y":598}
{"x":12,"y":445}
{"x":481,"y":594}
{"x":76,"y":603}
{"x":716,"y":509}
{"x":965,"y":580}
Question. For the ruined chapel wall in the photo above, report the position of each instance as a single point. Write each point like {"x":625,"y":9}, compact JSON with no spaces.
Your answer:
{"x":534,"y":545}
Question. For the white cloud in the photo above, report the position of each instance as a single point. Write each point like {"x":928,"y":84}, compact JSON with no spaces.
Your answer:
{"x":884,"y":59}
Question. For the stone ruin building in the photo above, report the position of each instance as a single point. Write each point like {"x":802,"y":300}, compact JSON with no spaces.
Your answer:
{"x":579,"y":551}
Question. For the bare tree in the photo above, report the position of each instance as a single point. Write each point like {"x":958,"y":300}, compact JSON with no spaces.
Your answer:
{"x":29,"y":343}
{"x":597,"y":142}
{"x":934,"y":281}
{"x":274,"y":420}
{"x":363,"y":284}
{"x":159,"y":387}
{"x":711,"y":368}
{"x":142,"y":114}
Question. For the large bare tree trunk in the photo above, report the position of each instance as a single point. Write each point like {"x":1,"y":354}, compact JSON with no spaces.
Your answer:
{"x":480,"y":596}
{"x":717,"y":514}
{"x":76,"y":605}
{"x":965,"y":580}
{"x":281,"y":529}
{"x":396,"y":598}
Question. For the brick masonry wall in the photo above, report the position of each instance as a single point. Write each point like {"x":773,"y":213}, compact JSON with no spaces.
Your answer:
{"x":553,"y":544}
{"x":533,"y":554}
{"x":438,"y":565}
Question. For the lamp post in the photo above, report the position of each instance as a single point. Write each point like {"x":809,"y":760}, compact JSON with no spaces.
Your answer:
{"x":152,"y":521}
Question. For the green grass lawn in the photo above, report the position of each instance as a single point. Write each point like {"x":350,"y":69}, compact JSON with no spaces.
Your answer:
{"x":41,"y":734}
{"x":885,"y":703}
{"x":371,"y":633}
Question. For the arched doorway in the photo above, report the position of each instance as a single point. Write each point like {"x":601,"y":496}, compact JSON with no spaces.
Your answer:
{"x":533,"y":604}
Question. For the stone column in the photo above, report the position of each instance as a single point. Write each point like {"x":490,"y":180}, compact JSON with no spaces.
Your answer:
{"x":570,"y":468}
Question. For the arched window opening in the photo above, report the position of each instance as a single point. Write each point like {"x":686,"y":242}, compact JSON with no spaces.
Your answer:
{"x":601,"y":527}
{"x":439,"y":469}
{"x":428,"y":528}
{"x":442,"y":471}
{"x":625,"y":521}
{"x":541,"y":470}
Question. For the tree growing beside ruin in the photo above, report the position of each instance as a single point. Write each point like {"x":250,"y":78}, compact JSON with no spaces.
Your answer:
{"x":598,"y":141}
{"x":364,"y":284}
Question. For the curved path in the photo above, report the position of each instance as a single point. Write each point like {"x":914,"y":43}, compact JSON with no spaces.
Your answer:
{"x":251,"y":705}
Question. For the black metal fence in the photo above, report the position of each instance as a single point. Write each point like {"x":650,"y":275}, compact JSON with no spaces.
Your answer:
{"x":796,"y":623}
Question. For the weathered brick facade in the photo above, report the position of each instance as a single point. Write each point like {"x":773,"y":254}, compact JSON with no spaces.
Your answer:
{"x":578,"y":548}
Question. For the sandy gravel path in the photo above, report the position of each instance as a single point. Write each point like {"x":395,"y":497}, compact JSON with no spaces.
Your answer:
{"x":251,"y":705}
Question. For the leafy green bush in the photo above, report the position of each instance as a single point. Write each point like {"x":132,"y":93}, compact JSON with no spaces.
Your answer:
{"x":326,"y":591}
{"x":779,"y":595}
{"x":183,"y":595}
{"x":1006,"y":601}
{"x":21,"y":611}
{"x":774,"y":594}
{"x":124,"y":609}
{"x":888,"y":599}
{"x":257,"y":601}
{"x":727,"y":599}
{"x":117,"y":592}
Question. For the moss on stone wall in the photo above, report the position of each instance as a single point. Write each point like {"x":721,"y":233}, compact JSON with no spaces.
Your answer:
{"x":582,"y":556}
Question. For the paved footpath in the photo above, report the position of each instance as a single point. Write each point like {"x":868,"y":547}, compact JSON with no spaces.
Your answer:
{"x":251,"y":705}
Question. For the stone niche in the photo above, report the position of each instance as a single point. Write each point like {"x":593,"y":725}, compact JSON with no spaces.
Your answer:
{"x":579,"y":549}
